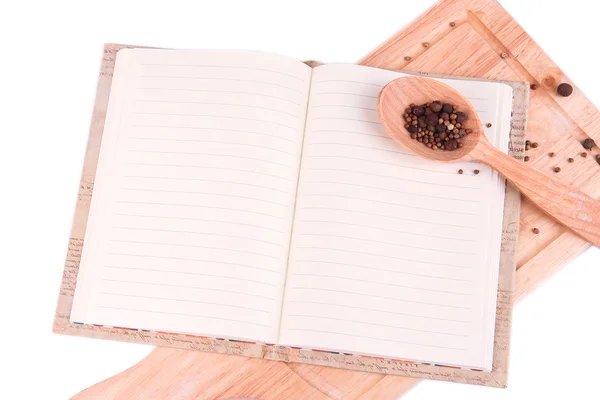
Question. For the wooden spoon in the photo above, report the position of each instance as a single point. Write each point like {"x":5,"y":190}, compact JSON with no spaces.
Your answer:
{"x":572,"y":208}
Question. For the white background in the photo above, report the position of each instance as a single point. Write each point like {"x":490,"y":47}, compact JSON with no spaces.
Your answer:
{"x":48,"y":73}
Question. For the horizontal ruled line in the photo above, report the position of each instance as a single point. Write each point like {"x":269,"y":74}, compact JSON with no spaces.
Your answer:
{"x":209,"y":129}
{"x":350,"y":81}
{"x":344,"y":105}
{"x":348,"y":119}
{"x":388,"y":230}
{"x":387,"y":243}
{"x":385,"y":216}
{"x":382,"y":311}
{"x":204,"y":193}
{"x":385,"y":202}
{"x":208,"y":167}
{"x":199,"y":206}
{"x":199,"y":274}
{"x":383,"y":256}
{"x":220,"y":104}
{"x":345,"y":93}
{"x":221,"y":91}
{"x":220,"y":79}
{"x":182,"y":259}
{"x":370,"y":295}
{"x":394,"y":191}
{"x":384,"y":283}
{"x":212,"y":141}
{"x":362,"y":147}
{"x":207,"y":180}
{"x":394,"y":177}
{"x":375,"y":324}
{"x":184,"y":314}
{"x":190,"y":245}
{"x":214,"y":116}
{"x":382,"y":269}
{"x":226,"y":66}
{"x":204,"y":154}
{"x":186,"y":301}
{"x":381,"y":162}
{"x":353,"y":132}
{"x":220,"y":221}
{"x":374,"y":338}
{"x":199,"y":233}
{"x":193,"y":287}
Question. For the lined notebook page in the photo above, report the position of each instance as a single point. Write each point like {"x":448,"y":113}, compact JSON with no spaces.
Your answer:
{"x":392,"y":255}
{"x":190,"y":220}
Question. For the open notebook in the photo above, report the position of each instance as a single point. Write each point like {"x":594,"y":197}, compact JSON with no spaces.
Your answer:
{"x":247,"y":196}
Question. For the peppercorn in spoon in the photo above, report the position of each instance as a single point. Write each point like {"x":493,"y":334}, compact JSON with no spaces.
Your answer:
{"x":572,"y":208}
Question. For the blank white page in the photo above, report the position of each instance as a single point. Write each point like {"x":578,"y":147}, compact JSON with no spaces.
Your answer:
{"x":190,"y":220}
{"x":392,"y":255}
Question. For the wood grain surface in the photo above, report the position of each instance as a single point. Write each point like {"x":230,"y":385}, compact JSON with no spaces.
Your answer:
{"x":502,"y":50}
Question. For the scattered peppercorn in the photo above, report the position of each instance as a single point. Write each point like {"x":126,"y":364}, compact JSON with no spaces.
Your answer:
{"x":584,"y":154}
{"x":476,"y":172}
{"x":564,"y":89}
{"x":526,"y":158}
{"x":551,"y":154}
{"x":571,"y":160}
{"x":425,"y":44}
{"x":407,"y":58}
{"x":557,"y":169}
{"x":436,"y":125}
{"x":588,"y":144}
{"x":452,"y":24}
{"x":535,"y":231}
{"x":460,"y":171}
{"x":534,"y":145}
{"x":598,"y":158}
{"x":527,"y":147}
{"x":504,"y":55}
{"x":534,"y":86}
{"x":489,"y":125}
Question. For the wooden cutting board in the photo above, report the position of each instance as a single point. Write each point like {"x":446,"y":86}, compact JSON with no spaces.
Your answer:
{"x":492,"y":46}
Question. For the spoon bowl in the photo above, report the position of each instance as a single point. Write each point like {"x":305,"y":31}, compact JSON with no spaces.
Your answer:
{"x":396,"y":96}
{"x":572,"y":208}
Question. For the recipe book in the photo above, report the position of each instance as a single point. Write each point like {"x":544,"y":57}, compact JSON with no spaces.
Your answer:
{"x":248,"y":197}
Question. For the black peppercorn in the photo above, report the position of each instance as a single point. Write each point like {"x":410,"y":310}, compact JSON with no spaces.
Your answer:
{"x":571,"y":160}
{"x":551,"y":154}
{"x":452,"y":144}
{"x":535,"y":231}
{"x":460,"y":171}
{"x":413,"y":129}
{"x":436,"y":106}
{"x":526,"y":158}
{"x":476,"y":172}
{"x":461,"y":117}
{"x":564,"y":89}
{"x":588,"y":144}
{"x":447,"y":108}
{"x":557,"y":169}
{"x":489,"y":125}
{"x":431,"y":119}
{"x":418,"y":111}
{"x":584,"y":154}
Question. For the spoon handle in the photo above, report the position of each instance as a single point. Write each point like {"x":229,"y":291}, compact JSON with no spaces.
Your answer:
{"x":573,"y":208}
